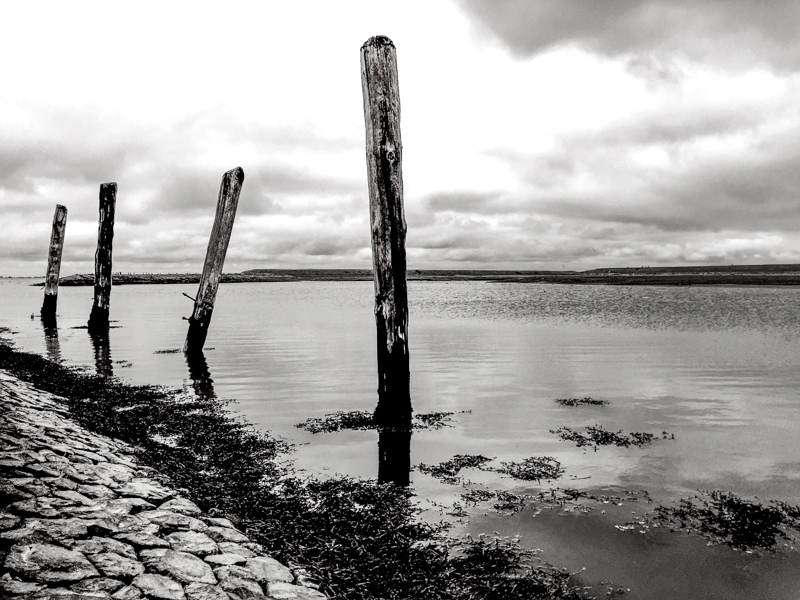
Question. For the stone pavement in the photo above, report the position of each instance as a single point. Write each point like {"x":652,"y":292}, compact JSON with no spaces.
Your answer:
{"x":81,"y":520}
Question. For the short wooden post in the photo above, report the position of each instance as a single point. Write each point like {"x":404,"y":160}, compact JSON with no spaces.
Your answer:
{"x":54,"y":263}
{"x":98,"y":319}
{"x":215,"y":258}
{"x":384,"y":157}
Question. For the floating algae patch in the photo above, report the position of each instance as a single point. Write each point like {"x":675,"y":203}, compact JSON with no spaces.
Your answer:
{"x":560,"y":496}
{"x":597,"y":436}
{"x":509,"y":502}
{"x":581,"y":401}
{"x":169,"y":351}
{"x":434,"y":420}
{"x":448,"y":470}
{"x":534,"y":468}
{"x":504,"y":501}
{"x":357,"y":419}
{"x":357,"y":538}
{"x":361,"y":419}
{"x":726,"y":518}
{"x":476,"y":496}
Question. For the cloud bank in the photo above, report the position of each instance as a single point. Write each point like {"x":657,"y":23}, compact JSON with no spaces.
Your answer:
{"x":544,"y":134}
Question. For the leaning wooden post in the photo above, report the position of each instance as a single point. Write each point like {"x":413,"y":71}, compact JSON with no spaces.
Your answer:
{"x":384,"y":157}
{"x":54,"y":263}
{"x":215,"y":259}
{"x":98,"y":319}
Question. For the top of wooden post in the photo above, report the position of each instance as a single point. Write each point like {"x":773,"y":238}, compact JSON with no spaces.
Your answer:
{"x":378,"y":41}
{"x":238,"y":172}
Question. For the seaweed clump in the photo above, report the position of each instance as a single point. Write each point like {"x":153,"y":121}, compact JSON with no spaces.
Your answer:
{"x":362,"y":420}
{"x":581,"y":401}
{"x":726,"y":518}
{"x":597,"y":436}
{"x":359,"y":539}
{"x":448,"y":470}
{"x":354,"y":420}
{"x":534,"y":468}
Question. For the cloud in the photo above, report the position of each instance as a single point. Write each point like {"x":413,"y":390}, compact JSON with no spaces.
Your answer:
{"x":464,"y":202}
{"x":724,"y":31}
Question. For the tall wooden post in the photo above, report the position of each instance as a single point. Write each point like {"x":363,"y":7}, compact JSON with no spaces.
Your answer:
{"x":54,"y":263}
{"x":215,"y":258}
{"x":384,"y":157}
{"x":98,"y":319}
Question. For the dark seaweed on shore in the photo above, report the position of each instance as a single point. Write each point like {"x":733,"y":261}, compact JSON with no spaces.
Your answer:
{"x":361,"y":420}
{"x":599,"y":436}
{"x":726,"y":518}
{"x":360,"y":539}
{"x":581,"y":401}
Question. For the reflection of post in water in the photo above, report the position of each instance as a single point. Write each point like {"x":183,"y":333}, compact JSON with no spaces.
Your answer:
{"x":199,"y":374}
{"x":51,"y":343}
{"x":102,"y":351}
{"x":394,"y":455}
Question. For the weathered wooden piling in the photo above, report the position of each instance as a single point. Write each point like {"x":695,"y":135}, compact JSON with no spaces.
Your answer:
{"x":215,"y":259}
{"x":54,"y":263}
{"x":384,"y":169}
{"x":98,"y":319}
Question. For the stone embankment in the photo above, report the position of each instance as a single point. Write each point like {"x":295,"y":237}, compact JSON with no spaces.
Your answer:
{"x":81,"y":520}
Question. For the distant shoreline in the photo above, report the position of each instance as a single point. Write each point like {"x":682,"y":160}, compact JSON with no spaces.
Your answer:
{"x":676,"y":276}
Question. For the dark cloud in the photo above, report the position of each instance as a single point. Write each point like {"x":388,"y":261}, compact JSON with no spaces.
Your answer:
{"x":723,"y":30}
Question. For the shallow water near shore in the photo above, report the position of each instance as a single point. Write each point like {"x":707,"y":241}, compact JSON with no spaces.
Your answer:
{"x":717,"y":367}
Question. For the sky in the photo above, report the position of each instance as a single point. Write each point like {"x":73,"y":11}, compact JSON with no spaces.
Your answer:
{"x":538,"y":134}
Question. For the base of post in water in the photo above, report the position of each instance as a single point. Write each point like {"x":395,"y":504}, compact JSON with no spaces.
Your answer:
{"x":393,"y":413}
{"x":98,"y":319}
{"x":196,"y":336}
{"x":48,"y":311}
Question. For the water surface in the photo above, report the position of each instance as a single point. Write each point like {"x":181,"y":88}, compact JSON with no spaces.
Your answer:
{"x":715,"y":366}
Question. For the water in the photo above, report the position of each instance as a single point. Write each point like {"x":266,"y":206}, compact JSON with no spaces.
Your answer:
{"x":717,"y":367}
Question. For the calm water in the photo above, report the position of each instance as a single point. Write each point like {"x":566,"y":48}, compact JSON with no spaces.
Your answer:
{"x":716,"y":367}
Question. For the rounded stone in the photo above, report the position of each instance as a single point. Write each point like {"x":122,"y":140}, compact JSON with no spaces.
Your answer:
{"x":181,"y":505}
{"x":97,"y":584}
{"x":205,"y":591}
{"x":224,"y":534}
{"x":193,"y":542}
{"x":268,"y":569}
{"x":49,"y":564}
{"x":182,"y":566}
{"x":114,"y":565}
{"x":224,"y":560}
{"x":143,"y":540}
{"x":286,"y":591}
{"x":158,"y":586}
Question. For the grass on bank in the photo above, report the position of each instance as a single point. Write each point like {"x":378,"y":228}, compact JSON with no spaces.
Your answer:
{"x":357,"y":538}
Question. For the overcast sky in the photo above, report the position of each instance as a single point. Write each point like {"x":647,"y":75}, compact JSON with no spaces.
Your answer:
{"x":537,"y":133}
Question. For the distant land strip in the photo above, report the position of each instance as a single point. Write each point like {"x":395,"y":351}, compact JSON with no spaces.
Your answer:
{"x":701,"y":275}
